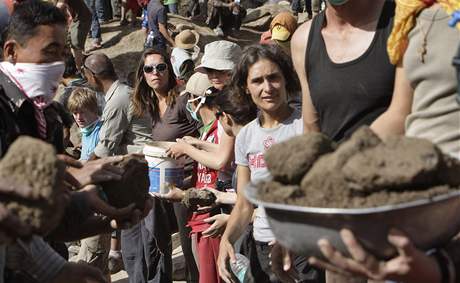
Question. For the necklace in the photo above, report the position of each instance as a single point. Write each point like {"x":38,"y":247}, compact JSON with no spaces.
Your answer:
{"x":422,"y":49}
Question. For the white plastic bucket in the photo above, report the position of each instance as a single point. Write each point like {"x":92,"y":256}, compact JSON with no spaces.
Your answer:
{"x":162,"y":169}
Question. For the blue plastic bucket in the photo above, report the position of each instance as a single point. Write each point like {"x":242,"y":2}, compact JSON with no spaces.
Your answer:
{"x":162,"y":169}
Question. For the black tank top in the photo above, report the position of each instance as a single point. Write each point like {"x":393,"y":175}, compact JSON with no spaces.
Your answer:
{"x":349,"y":95}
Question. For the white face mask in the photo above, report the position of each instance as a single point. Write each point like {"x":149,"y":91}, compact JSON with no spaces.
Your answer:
{"x":39,"y":82}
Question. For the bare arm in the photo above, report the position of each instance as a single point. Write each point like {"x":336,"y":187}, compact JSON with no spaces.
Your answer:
{"x":239,"y":219}
{"x":298,"y":51}
{"x":241,"y":214}
{"x":207,"y":158}
{"x":164,"y":31}
{"x":392,"y":121}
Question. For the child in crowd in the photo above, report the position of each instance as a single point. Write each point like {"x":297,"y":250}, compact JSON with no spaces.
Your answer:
{"x":83,"y":106}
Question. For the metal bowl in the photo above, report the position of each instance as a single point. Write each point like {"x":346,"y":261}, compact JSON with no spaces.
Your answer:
{"x":430,"y":223}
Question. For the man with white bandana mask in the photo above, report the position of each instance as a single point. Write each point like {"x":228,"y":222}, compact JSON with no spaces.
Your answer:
{"x":33,"y":54}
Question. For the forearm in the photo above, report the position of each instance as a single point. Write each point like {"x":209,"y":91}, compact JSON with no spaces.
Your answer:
{"x":213,"y":161}
{"x":208,"y":146}
{"x":239,"y":219}
{"x":164,"y":31}
{"x":228,"y":198}
{"x":389,"y":124}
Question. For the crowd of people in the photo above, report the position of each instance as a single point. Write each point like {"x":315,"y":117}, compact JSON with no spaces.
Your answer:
{"x":386,"y":64}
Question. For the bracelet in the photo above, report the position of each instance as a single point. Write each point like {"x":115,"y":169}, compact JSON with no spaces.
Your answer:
{"x":445,"y":266}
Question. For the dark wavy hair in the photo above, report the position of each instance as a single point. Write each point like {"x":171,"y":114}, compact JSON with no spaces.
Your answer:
{"x":240,"y":107}
{"x":142,"y":98}
{"x":254,"y":53}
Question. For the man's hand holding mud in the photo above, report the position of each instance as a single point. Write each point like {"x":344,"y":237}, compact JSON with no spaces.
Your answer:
{"x":92,"y":172}
{"x":10,"y":225}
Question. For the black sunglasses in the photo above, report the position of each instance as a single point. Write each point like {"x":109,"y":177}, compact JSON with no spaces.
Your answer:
{"x":157,"y":68}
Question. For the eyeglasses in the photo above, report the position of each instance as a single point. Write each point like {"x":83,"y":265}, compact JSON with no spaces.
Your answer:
{"x":159,"y":68}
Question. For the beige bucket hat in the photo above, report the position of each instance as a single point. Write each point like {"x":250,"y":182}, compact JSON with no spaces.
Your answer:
{"x":187,"y":39}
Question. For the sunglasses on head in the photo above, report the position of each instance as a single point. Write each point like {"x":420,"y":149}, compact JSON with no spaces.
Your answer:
{"x":159,"y":68}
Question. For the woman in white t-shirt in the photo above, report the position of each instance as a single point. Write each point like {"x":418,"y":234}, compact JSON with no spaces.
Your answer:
{"x":263,"y":73}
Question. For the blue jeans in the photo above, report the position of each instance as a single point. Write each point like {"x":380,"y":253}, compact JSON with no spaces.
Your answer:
{"x":172,"y":8}
{"x":147,"y":247}
{"x":95,"y":27}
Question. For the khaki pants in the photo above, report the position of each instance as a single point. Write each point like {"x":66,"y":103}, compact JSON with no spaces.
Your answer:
{"x":95,"y":251}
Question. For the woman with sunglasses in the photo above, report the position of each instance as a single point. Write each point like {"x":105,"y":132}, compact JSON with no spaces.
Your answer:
{"x":262,"y":73}
{"x":147,"y":247}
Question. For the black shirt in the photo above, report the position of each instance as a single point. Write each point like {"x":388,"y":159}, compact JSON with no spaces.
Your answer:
{"x":349,"y":95}
{"x":17,"y":117}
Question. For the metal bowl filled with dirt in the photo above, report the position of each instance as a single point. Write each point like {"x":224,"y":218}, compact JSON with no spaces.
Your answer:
{"x":429,"y":223}
{"x":366,"y":184}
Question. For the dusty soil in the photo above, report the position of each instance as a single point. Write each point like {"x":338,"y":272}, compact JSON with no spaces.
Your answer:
{"x":32,"y":166}
{"x":198,"y":197}
{"x":289,"y":161}
{"x":368,"y":172}
{"x":133,"y":187}
{"x":124,"y":44}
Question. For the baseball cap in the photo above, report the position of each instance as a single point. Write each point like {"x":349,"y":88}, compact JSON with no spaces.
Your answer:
{"x":283,"y":26}
{"x":199,"y":85}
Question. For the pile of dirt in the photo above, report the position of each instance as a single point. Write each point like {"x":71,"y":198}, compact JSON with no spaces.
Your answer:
{"x":194,"y":198}
{"x":365,"y":172}
{"x":134,"y":185}
{"x":37,"y":176}
{"x":289,"y":161}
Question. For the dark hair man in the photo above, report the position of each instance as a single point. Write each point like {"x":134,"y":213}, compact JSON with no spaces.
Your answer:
{"x":33,"y":54}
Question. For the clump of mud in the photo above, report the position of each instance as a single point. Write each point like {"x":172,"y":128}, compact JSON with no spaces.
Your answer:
{"x":36,"y":175}
{"x":194,"y":198}
{"x":289,"y":161}
{"x":134,"y":185}
{"x":368,"y":172}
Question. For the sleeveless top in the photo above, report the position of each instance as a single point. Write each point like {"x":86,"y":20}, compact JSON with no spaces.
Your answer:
{"x":351,"y":94}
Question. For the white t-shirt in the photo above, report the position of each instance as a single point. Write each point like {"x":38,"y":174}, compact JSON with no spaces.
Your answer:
{"x":251,"y":144}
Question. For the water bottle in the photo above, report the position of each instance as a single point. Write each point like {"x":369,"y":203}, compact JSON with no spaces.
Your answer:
{"x":240,"y":267}
{"x":149,"y":40}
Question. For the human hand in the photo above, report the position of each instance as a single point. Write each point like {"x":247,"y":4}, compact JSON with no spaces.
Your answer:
{"x":177,"y":150}
{"x":79,"y":273}
{"x":191,"y":140}
{"x":11,"y":227}
{"x":226,"y":255}
{"x":223,"y":197}
{"x":97,"y":204}
{"x":95,"y":171}
{"x":217,"y":228}
{"x":133,"y":218}
{"x":174,"y":195}
{"x":281,"y":260}
{"x":410,"y":265}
